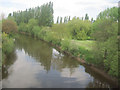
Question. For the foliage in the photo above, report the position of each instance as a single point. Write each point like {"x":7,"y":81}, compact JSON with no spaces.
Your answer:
{"x":109,"y":13}
{"x":61,"y":31}
{"x":65,"y":44}
{"x":86,"y":17}
{"x":43,"y":14}
{"x":31,"y":24}
{"x":36,"y":30}
{"x":46,"y":15}
{"x":0,"y":43}
{"x":57,"y":19}
{"x":82,"y":49}
{"x":7,"y":45}
{"x":9,"y":26}
{"x":60,"y":19}
{"x":23,"y":27}
{"x":43,"y":32}
{"x":105,"y":33}
{"x":79,"y":29}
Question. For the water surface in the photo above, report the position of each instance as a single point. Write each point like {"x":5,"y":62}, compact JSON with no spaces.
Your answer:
{"x":36,"y":64}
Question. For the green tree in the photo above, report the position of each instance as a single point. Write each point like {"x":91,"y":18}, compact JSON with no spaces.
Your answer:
{"x":46,"y":15}
{"x":106,"y":52}
{"x":86,"y":17}
{"x":82,"y":18}
{"x":78,"y":27}
{"x":9,"y":26}
{"x":111,"y":13}
{"x":58,"y":19}
{"x":69,"y":18}
{"x":36,"y":30}
{"x":65,"y":19}
{"x":92,"y":20}
{"x":9,"y":15}
{"x":31,"y":24}
{"x":7,"y":45}
{"x":23,"y":27}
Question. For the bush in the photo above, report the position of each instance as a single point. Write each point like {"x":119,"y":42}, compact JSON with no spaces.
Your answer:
{"x":31,"y":24}
{"x":105,"y":32}
{"x":7,"y":45}
{"x":51,"y":37}
{"x":79,"y":29}
{"x":9,"y":26}
{"x":36,"y":30}
{"x":81,"y":35}
{"x":65,"y":44}
{"x":23,"y":27}
{"x":61,"y":31}
{"x":43,"y":32}
{"x":114,"y":66}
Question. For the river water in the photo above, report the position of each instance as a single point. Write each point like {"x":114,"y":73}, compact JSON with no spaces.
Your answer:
{"x":36,"y":64}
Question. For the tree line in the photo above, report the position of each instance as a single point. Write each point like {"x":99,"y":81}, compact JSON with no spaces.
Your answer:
{"x":68,"y":18}
{"x":43,"y":14}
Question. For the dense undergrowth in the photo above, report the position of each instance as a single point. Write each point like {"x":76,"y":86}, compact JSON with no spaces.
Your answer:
{"x":7,"y":45}
{"x":9,"y":29}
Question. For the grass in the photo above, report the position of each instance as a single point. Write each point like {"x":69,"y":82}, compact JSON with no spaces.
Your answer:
{"x":87,"y":44}
{"x":82,"y":49}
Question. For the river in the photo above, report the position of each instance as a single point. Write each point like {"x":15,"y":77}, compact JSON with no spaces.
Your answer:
{"x":36,"y":64}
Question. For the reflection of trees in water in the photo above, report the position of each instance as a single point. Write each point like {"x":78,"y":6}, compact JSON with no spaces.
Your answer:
{"x":37,"y":49}
{"x":59,"y":62}
{"x":99,"y":81}
{"x":43,"y":53}
{"x":97,"y":84}
{"x":10,"y":59}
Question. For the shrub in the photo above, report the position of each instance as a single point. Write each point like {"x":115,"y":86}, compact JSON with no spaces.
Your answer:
{"x":36,"y":30}
{"x":31,"y":24}
{"x":23,"y":27}
{"x":65,"y":44}
{"x":79,"y":29}
{"x":105,"y":31}
{"x":9,"y":26}
{"x":7,"y":44}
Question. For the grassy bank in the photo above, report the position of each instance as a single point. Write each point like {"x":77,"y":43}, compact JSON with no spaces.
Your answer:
{"x":87,"y":44}
{"x":81,"y":49}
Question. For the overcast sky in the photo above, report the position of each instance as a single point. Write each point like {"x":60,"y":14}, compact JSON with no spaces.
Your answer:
{"x":61,"y":7}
